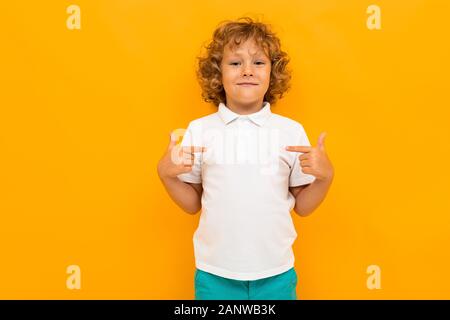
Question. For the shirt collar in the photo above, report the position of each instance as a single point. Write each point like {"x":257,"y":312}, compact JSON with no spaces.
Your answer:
{"x":258,"y":117}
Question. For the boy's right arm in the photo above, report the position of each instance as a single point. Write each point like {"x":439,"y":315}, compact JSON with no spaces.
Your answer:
{"x":183,"y":194}
{"x":187,"y":196}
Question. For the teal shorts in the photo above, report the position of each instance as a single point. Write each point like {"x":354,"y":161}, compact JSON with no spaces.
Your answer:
{"x":209,"y":286}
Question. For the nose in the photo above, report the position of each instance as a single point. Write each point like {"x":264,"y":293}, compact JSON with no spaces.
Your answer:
{"x":247,"y":72}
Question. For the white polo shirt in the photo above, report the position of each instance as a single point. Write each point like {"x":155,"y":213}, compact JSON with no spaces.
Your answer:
{"x":245,"y":230}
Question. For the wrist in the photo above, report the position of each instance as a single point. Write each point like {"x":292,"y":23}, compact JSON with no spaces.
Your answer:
{"x":326,"y":180}
{"x":161,"y":174}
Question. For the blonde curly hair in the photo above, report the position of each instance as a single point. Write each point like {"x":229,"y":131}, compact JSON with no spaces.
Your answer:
{"x":209,"y":73}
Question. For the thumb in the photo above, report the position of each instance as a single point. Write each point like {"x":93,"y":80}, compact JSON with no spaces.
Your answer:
{"x":321,"y":142}
{"x":172,"y":141}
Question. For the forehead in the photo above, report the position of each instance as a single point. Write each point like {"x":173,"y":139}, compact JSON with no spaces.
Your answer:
{"x":248,"y":47}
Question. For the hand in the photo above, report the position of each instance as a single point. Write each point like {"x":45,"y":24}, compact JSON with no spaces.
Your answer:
{"x":314,"y":160}
{"x":177,"y":160}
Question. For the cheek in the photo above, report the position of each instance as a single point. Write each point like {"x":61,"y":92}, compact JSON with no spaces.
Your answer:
{"x":264,"y":74}
{"x":228,"y":77}
{"x":265,"y":78}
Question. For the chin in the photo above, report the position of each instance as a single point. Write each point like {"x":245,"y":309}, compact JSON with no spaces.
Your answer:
{"x":248,"y":99}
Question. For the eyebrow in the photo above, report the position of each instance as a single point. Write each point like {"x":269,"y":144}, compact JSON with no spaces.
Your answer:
{"x":259,"y":53}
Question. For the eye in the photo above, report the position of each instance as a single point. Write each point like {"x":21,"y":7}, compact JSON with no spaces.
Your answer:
{"x":234,"y":63}
{"x":259,"y":62}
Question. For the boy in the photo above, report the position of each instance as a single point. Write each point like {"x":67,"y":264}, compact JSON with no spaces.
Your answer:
{"x":246,"y":175}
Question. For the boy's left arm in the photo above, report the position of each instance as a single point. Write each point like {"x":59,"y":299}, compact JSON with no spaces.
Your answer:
{"x":314,"y":161}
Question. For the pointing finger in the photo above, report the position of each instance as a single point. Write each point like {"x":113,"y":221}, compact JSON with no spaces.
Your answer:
{"x":298,"y":148}
{"x":192,"y":149}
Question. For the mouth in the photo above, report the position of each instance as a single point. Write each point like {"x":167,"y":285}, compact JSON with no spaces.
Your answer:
{"x":247,"y":84}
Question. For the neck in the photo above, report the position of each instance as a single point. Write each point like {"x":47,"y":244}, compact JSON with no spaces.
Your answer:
{"x":244,"y":108}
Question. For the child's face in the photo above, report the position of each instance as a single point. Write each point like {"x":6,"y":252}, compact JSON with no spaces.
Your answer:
{"x":245,"y":73}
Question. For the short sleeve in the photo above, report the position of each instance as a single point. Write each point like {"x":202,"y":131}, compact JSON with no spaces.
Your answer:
{"x":192,"y":138}
{"x":297,"y":177}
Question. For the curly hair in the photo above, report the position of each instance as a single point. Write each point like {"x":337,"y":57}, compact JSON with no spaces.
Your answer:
{"x":209,"y":73}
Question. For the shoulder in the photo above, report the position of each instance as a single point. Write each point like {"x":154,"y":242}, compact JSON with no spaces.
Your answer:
{"x":208,"y":120}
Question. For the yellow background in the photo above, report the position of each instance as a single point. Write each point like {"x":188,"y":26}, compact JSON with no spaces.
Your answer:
{"x":85,"y":117}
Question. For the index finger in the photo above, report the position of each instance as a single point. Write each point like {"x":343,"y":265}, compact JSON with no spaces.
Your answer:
{"x":192,"y":149}
{"x":298,"y":148}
